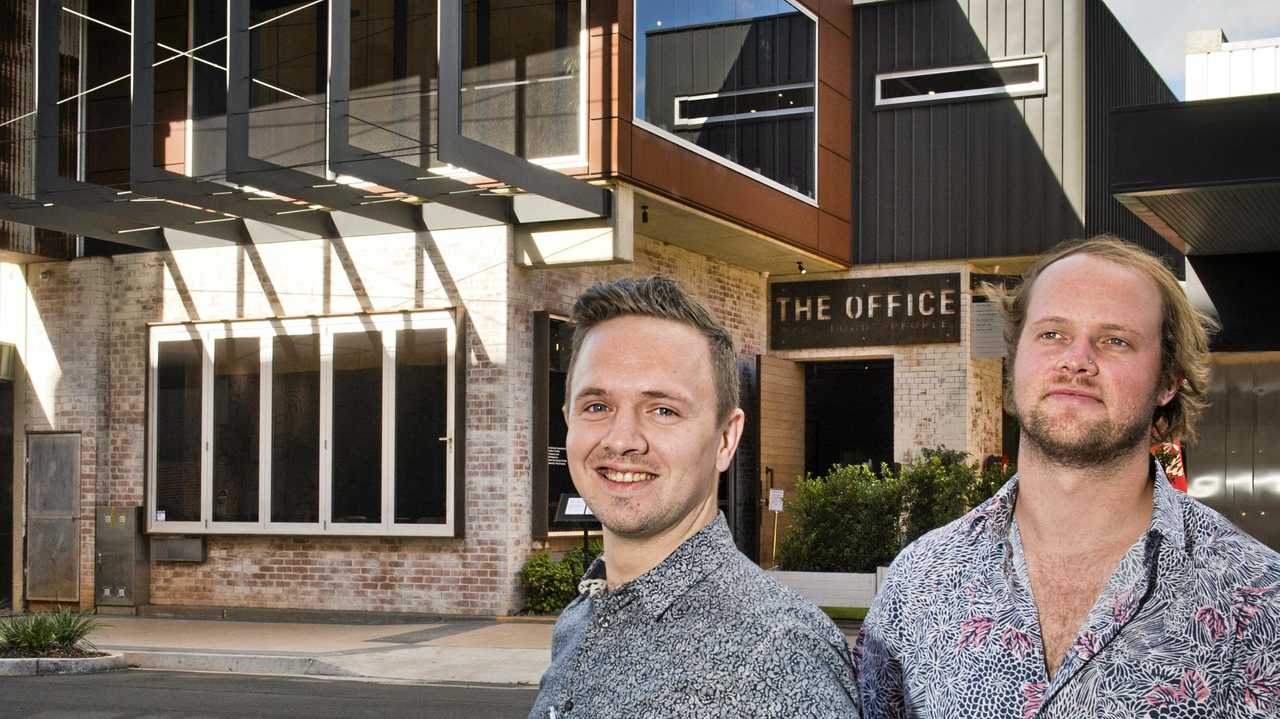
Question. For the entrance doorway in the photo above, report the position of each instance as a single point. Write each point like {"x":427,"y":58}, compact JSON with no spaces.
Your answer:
{"x":848,"y":414}
{"x":6,"y":496}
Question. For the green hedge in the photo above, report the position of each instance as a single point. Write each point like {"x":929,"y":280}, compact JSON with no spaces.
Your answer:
{"x":549,"y":583}
{"x":854,"y":519}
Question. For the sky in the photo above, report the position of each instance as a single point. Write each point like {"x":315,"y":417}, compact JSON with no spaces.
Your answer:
{"x":1160,"y":27}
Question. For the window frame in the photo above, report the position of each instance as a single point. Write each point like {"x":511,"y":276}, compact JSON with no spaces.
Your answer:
{"x":1026,"y":89}
{"x":387,"y":325}
{"x":647,"y":126}
{"x":713,"y":119}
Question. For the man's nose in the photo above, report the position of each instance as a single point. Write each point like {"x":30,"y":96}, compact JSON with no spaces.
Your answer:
{"x":1079,"y":357}
{"x":626,"y":434}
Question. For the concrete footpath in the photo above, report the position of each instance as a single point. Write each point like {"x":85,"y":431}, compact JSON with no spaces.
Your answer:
{"x":503,"y":650}
{"x":511,"y":651}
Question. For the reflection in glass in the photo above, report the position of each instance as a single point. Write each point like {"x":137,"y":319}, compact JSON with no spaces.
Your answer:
{"x":295,"y":428}
{"x":394,"y":78}
{"x":288,"y":63}
{"x":521,"y":76}
{"x":236,"y":383}
{"x":177,"y":407}
{"x":421,"y":425}
{"x":357,"y":427}
{"x":734,"y":77}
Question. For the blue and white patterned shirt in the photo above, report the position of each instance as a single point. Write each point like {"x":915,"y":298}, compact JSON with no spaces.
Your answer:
{"x":706,"y":633}
{"x":1188,"y":625}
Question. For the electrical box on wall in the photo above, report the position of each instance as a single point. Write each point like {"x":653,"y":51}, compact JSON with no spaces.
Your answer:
{"x":123,"y":572}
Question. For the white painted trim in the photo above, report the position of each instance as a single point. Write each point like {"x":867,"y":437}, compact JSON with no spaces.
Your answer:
{"x":1025,"y":89}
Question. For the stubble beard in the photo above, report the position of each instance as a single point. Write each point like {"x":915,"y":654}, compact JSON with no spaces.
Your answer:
{"x":1103,"y":441}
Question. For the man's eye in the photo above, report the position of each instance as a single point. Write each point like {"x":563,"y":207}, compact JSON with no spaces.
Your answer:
{"x":1050,"y":335}
{"x":666,"y":412}
{"x":596,"y":407}
{"x":1116,"y":342}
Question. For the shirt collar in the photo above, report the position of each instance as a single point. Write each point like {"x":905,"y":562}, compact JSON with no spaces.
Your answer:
{"x":659,"y":588}
{"x":1166,"y":513}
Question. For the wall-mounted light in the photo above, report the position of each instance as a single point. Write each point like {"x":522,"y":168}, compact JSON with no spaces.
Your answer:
{"x":644,"y":214}
{"x":45,"y":274}
{"x":800,"y":266}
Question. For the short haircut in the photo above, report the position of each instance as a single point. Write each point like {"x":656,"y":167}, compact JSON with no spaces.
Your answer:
{"x":661,"y":298}
{"x":1184,"y":332}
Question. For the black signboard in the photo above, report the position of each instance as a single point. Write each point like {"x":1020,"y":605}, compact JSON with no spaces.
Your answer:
{"x":902,"y":310}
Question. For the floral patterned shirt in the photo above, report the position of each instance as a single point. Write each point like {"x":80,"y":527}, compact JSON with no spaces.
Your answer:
{"x":1187,"y":626}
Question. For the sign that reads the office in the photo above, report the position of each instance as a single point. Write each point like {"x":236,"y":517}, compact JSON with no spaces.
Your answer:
{"x":902,"y":310}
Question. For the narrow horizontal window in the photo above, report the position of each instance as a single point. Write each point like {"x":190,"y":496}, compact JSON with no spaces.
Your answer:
{"x":1020,"y":77}
{"x":744,"y":105}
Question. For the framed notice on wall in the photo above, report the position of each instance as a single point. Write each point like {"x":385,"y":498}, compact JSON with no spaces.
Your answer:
{"x":871,"y":311}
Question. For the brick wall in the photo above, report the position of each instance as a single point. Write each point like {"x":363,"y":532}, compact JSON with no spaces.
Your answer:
{"x":92,"y":376}
{"x":67,"y":321}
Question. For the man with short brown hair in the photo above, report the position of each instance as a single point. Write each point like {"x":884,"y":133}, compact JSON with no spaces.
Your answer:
{"x":1086,"y":587}
{"x":673,"y":621}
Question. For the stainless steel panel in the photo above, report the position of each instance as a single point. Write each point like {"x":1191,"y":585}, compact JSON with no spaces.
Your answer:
{"x":177,"y":549}
{"x":1266,"y":454}
{"x":53,"y":501}
{"x":1234,"y":467}
{"x":122,"y":576}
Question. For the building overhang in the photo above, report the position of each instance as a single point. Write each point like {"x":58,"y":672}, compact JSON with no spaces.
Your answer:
{"x":254,"y":200}
{"x":1204,"y":175}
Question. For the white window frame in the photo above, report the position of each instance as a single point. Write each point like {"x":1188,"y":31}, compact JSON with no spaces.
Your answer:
{"x":387,"y":324}
{"x":681,"y":121}
{"x":1024,"y":89}
{"x":643,"y":124}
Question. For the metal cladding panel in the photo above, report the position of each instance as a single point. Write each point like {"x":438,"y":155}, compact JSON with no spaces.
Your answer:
{"x":53,"y":502}
{"x":1222,"y":220}
{"x":979,"y":178}
{"x":1117,"y":75}
{"x":1234,"y":466}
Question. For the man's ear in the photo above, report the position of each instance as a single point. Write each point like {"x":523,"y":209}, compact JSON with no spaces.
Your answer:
{"x":1168,"y":393}
{"x":730,"y":433}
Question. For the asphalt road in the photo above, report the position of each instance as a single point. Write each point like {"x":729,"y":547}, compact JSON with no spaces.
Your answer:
{"x":139,"y":694}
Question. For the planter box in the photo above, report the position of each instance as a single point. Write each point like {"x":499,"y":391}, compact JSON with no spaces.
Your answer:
{"x":833,"y":589}
{"x":86,"y":665}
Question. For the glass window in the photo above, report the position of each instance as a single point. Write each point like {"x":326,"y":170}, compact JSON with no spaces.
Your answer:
{"x":300,"y":412}
{"x":236,"y":383}
{"x":422,"y":364}
{"x":289,"y":45}
{"x":1019,"y":77}
{"x":178,"y":413}
{"x":736,"y":80}
{"x":394,"y":78}
{"x":295,"y":428}
{"x":522,"y":76}
{"x":357,"y":427}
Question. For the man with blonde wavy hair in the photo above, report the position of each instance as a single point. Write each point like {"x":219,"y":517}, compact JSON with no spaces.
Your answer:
{"x":1087,"y":586}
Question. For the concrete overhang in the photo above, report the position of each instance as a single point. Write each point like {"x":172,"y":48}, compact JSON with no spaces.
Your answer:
{"x":1205,"y":175}
{"x":668,"y":221}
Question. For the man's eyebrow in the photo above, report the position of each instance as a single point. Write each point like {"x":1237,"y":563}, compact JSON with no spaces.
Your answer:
{"x":659,"y":394}
{"x":1109,"y":326}
{"x":591,"y":392}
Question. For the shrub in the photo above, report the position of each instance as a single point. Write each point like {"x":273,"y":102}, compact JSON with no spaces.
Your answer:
{"x":36,"y":634}
{"x":937,"y":489}
{"x":843,"y":521}
{"x":550,"y":584}
{"x":853,"y":519}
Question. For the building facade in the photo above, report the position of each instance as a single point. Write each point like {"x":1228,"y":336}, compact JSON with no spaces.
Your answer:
{"x":286,"y":283}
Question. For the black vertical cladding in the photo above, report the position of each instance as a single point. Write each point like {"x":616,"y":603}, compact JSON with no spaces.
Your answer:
{"x":967,"y":179}
{"x":1117,"y":74}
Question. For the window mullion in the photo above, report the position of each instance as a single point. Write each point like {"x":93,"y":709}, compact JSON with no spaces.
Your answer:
{"x":206,"y":428}
{"x":266,"y":352}
{"x":388,"y":336}
{"x":326,"y":426}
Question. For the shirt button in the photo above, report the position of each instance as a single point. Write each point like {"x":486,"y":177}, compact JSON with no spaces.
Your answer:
{"x":568,"y":705}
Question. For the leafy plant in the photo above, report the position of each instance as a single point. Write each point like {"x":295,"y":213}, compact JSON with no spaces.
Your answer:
{"x":35,"y":634}
{"x":853,"y":519}
{"x":936,"y":490}
{"x":550,"y":584}
{"x":843,"y":521}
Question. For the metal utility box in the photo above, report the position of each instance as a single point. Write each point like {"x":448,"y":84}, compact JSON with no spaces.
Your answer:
{"x":177,"y":548}
{"x":123,"y":576}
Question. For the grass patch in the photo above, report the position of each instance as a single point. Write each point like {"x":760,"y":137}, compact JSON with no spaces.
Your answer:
{"x":846,"y":613}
